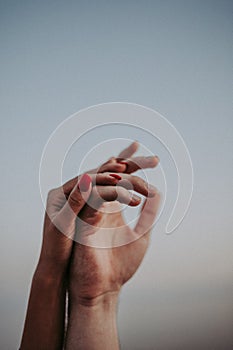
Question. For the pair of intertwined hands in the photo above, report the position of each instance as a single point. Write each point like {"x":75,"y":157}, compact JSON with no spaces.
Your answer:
{"x":92,"y":198}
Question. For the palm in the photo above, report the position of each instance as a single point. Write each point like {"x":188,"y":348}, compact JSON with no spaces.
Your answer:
{"x":100,"y":270}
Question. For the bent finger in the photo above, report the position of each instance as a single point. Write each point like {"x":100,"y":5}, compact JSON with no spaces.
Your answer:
{"x":137,"y":163}
{"x":112,"y":166}
{"x":101,"y":194}
{"x":65,"y":219}
{"x":136,"y":183}
{"x":97,"y":179}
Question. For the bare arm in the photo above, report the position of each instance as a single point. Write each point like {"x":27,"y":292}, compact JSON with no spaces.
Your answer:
{"x":44,"y":324}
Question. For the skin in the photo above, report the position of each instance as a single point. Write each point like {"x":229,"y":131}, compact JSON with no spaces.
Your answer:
{"x":96,"y":277}
{"x":93,"y":276}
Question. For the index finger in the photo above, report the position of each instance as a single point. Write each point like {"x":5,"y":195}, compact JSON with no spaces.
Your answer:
{"x":129,"y":151}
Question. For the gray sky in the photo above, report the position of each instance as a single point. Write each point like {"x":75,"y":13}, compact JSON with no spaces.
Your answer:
{"x":173,"y":56}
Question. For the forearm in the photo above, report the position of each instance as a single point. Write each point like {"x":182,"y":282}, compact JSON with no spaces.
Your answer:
{"x":44,"y":325}
{"x":92,"y":324}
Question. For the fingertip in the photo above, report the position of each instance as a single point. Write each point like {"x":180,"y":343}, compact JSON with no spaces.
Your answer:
{"x":159,"y":195}
{"x":156,"y":160}
{"x":152,"y":161}
{"x":152,"y":191}
{"x":135,"y":201}
{"x":84,"y":183}
{"x":135,"y":145}
{"x":116,"y":176}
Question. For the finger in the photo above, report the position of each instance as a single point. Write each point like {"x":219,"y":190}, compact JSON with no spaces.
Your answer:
{"x":76,"y":201}
{"x":105,"y":179}
{"x":137,"y":184}
{"x":129,"y":151}
{"x":97,"y":179}
{"x":148,"y":215}
{"x":115,"y":167}
{"x":112,"y":165}
{"x":101,"y":194}
{"x":137,"y":163}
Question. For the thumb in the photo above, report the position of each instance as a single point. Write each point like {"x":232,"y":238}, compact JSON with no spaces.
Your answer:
{"x":79,"y":195}
{"x":148,"y":214}
{"x":65,"y":219}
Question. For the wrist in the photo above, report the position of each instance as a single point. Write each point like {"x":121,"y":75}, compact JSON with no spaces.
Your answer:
{"x":96,"y":319}
{"x":106,"y":301}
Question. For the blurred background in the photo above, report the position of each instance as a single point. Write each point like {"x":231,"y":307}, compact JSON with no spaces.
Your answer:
{"x":173,"y":56}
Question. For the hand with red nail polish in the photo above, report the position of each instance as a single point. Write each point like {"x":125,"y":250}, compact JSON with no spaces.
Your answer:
{"x":95,"y":275}
{"x":125,"y":163}
{"x":44,"y":325}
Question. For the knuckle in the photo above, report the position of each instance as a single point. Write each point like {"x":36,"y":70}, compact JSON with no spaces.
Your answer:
{"x":52,"y":194}
{"x":75,"y":200}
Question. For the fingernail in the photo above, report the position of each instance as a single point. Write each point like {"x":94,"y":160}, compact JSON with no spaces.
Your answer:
{"x":116,"y":176}
{"x":136,"y":198}
{"x":121,"y":162}
{"x":84,"y":183}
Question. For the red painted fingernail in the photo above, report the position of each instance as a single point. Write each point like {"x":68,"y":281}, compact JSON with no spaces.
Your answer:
{"x":124,"y":163}
{"x":116,"y":176}
{"x":136,"y":199}
{"x":84,"y":183}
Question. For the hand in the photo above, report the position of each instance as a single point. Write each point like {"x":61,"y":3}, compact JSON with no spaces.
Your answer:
{"x":95,"y":272}
{"x":64,"y":204}
{"x":44,"y":324}
{"x":60,"y":219}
